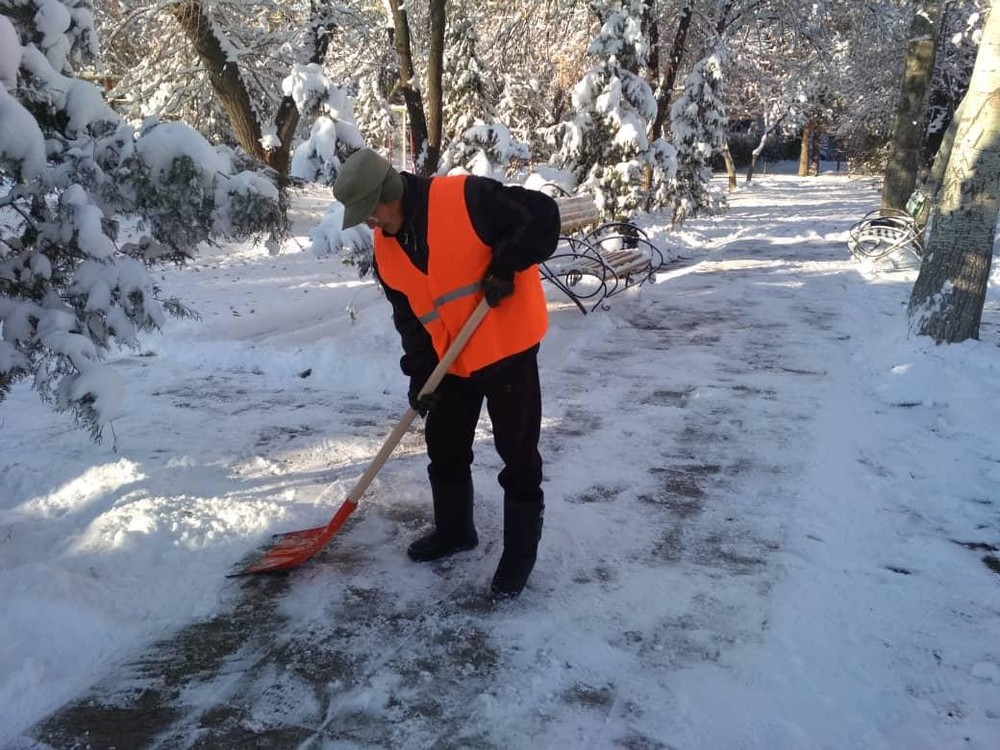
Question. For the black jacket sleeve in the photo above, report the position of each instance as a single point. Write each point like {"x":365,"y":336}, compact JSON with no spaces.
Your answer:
{"x":521,"y":225}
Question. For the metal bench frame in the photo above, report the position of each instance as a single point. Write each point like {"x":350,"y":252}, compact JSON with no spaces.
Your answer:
{"x":884,"y":232}
{"x":595,"y":260}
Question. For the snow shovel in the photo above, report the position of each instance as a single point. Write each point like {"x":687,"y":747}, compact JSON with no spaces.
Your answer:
{"x":295,"y":547}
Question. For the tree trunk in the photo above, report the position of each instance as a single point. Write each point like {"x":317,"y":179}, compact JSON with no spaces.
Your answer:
{"x":948,"y":297}
{"x":411,"y":94}
{"x":659,"y":126}
{"x":223,"y":74}
{"x":651,"y":30}
{"x":769,"y":127}
{"x":814,"y":150}
{"x":435,"y":96}
{"x":936,"y":176}
{"x":807,"y":133}
{"x":730,"y":166}
{"x":909,"y":129}
{"x":753,"y":163}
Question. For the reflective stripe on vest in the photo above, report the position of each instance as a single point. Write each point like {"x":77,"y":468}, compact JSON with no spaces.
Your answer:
{"x":444,"y":297}
{"x":439,"y":301}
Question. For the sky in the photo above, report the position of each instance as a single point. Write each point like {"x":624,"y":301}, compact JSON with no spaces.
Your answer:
{"x":768,"y":508}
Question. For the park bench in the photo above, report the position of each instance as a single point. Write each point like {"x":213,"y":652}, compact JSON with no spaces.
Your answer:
{"x":889,"y":236}
{"x":596,"y":260}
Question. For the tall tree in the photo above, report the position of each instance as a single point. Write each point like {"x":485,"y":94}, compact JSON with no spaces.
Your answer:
{"x":840,"y":71}
{"x":435,"y":89}
{"x":961,"y":29}
{"x":724,"y":16}
{"x":771,"y":68}
{"x":906,"y":144}
{"x":223,"y":74}
{"x":948,"y":296}
{"x":772,"y":124}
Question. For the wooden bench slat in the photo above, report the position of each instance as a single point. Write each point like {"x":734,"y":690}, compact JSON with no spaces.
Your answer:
{"x":577,"y":211}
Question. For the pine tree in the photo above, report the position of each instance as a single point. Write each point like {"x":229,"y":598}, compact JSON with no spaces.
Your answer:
{"x":698,"y":126}
{"x":523,"y":108}
{"x":88,"y":205}
{"x":469,"y":97}
{"x":605,"y":145}
{"x":476,"y":141}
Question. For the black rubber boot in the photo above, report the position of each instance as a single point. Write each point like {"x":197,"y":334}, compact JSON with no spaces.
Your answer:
{"x":522,"y":529}
{"x":454,"y":530}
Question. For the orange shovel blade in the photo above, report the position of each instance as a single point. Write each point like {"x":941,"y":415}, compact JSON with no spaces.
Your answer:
{"x":295,"y":547}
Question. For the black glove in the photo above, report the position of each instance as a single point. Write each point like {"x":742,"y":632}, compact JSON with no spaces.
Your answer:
{"x":498,"y":283}
{"x":421,"y":404}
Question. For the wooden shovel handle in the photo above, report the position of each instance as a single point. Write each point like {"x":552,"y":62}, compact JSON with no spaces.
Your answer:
{"x":429,"y":387}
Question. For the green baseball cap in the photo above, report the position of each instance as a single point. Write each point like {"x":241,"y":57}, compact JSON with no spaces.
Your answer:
{"x":365,"y":180}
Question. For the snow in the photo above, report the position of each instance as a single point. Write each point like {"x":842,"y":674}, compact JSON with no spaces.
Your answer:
{"x":162,"y":143}
{"x":10,"y":53}
{"x":52,"y":21}
{"x":21,"y":140}
{"x":81,"y":100}
{"x":767,"y":511}
{"x":86,"y":224}
{"x":306,"y":84}
{"x":85,"y":105}
{"x":333,"y":135}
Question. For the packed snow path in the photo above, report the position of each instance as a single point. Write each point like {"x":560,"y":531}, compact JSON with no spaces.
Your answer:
{"x":746,"y":543}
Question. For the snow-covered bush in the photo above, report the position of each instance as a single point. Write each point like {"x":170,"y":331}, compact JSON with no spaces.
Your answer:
{"x":188,"y":190}
{"x":87,"y":204}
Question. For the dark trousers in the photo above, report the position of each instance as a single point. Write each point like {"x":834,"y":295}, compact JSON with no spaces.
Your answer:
{"x":514,"y":403}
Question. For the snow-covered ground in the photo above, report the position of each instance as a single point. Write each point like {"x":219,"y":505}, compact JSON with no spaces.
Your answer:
{"x":770,"y":514}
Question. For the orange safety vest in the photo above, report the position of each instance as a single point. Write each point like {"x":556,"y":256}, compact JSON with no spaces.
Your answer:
{"x":444,"y":297}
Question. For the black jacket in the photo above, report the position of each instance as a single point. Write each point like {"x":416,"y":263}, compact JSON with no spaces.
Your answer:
{"x":521,"y":226}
